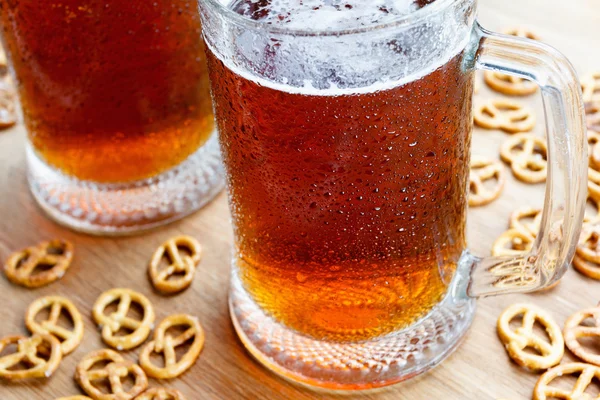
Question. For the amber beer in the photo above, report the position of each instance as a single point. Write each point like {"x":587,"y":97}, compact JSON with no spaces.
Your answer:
{"x":111,"y":91}
{"x":348,"y":209}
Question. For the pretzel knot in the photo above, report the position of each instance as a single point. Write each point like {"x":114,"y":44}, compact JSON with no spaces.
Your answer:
{"x":112,"y":323}
{"x":510,"y":116}
{"x":587,"y":257}
{"x":166,"y":344}
{"x":57,"y":304}
{"x":527,"y":155}
{"x":509,"y":84}
{"x":523,"y":337}
{"x":161,"y":394}
{"x":513,"y":242}
{"x":575,"y":330}
{"x":543,"y":390}
{"x":115,"y":372}
{"x":20,"y":266}
{"x":483,"y":170}
{"x":180,"y":273}
{"x":27,"y":354}
{"x":590,"y":86}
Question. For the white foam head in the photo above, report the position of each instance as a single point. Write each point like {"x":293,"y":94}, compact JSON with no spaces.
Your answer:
{"x":333,"y":64}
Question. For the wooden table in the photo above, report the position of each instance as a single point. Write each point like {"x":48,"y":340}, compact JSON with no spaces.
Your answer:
{"x":480,"y":369}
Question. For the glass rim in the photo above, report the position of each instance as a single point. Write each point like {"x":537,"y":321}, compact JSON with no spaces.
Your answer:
{"x":402,"y":21}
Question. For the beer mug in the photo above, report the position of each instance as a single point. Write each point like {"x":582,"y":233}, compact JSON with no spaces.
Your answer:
{"x":115,"y":98}
{"x":345,"y":131}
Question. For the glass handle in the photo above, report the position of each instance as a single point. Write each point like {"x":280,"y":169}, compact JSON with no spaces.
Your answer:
{"x":566,"y":183}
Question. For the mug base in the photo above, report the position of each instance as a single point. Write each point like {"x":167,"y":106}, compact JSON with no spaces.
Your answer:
{"x":124,"y":209}
{"x":334,"y":366}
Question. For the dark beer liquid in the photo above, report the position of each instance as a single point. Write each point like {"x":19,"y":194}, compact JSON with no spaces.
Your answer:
{"x":112,"y":91}
{"x":349,"y":210}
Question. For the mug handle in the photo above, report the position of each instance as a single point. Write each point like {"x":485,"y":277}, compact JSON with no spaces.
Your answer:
{"x":566,"y":187}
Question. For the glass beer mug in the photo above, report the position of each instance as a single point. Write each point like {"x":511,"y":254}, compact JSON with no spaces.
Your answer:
{"x":345,"y":129}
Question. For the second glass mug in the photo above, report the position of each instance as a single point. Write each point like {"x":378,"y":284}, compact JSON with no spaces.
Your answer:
{"x":347,"y":160}
{"x":115,"y":99}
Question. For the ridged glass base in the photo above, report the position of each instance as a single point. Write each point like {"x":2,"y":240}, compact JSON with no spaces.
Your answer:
{"x":352,"y":366}
{"x":119,"y":209}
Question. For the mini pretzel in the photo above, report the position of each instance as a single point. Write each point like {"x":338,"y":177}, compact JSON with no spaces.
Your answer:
{"x":590,"y":85}
{"x":115,"y":371}
{"x":513,"y":242}
{"x":27,"y":353}
{"x":521,"y":32}
{"x":516,"y":341}
{"x":482,"y":170}
{"x":587,"y":257}
{"x":161,"y":394}
{"x":8,"y":108}
{"x":593,"y":139}
{"x":574,"y":330}
{"x":70,"y":338}
{"x":527,"y":155}
{"x":510,"y":116}
{"x":543,"y":390}
{"x":509,"y":84}
{"x":592,"y":115}
{"x":110,"y":324}
{"x":20,"y":266}
{"x":166,"y":344}
{"x":517,"y":220}
{"x":179,"y":264}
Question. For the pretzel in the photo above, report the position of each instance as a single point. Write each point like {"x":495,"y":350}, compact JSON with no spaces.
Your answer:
{"x":587,"y":268}
{"x":510,"y":116}
{"x":592,"y":115}
{"x":517,"y":220}
{"x":179,"y":265}
{"x":75,"y":398}
{"x":20,"y":265}
{"x":166,"y":344}
{"x":593,"y":139}
{"x":513,"y":242}
{"x":161,"y":394}
{"x":527,"y":155}
{"x":574,"y":330}
{"x":110,"y":324}
{"x":8,"y":108}
{"x":509,"y":84}
{"x":70,"y":338}
{"x":115,"y":371}
{"x":516,"y":341}
{"x":587,"y":257}
{"x":590,"y":85}
{"x":483,"y":169}
{"x":543,"y":390}
{"x":27,"y":354}
{"x":521,"y":32}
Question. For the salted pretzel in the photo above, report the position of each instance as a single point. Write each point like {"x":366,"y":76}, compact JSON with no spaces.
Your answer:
{"x":57,"y":304}
{"x":8,"y":107}
{"x":112,"y":323}
{"x":510,"y":116}
{"x":518,"y":340}
{"x":592,"y":115}
{"x":575,"y":330}
{"x":115,"y":372}
{"x":28,"y":351}
{"x":587,"y":257}
{"x":161,"y":394}
{"x":590,"y":85}
{"x":527,"y":155}
{"x":180,"y":273}
{"x":482,"y":170}
{"x":509,"y":84}
{"x":543,"y":390}
{"x":513,"y":242}
{"x":21,"y":265}
{"x":519,"y":216}
{"x":166,"y":345}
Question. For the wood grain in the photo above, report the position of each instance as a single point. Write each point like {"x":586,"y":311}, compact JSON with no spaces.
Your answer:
{"x":480,"y":368}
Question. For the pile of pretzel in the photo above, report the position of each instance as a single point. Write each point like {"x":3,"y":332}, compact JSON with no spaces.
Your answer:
{"x":527,"y":156}
{"x":536,"y":353}
{"x":39,"y":355}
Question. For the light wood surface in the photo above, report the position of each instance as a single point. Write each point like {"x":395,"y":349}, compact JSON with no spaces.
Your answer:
{"x":480,"y":369}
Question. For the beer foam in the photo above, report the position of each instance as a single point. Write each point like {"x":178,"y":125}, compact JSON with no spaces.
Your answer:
{"x":345,"y":64}
{"x":325,"y":14}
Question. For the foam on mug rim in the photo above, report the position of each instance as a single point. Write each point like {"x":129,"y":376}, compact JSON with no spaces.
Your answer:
{"x":309,"y":90}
